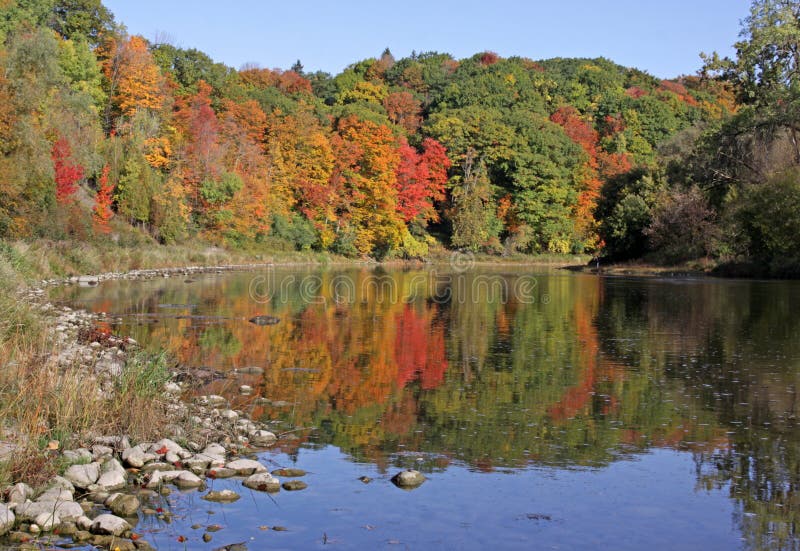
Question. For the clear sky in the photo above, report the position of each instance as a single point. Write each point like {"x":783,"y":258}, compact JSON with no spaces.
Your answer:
{"x":663,"y":37}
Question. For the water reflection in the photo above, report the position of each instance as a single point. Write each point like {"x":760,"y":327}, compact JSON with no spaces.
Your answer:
{"x":502,"y":369}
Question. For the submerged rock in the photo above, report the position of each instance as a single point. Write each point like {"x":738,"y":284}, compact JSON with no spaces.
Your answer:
{"x":222,"y":496}
{"x":262,"y":438}
{"x":123,"y":505}
{"x":408,"y":479}
{"x":264,"y":320}
{"x":293,"y":485}
{"x":289,"y":473}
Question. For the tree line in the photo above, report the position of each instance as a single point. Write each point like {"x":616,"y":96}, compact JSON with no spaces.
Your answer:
{"x":102,"y":131}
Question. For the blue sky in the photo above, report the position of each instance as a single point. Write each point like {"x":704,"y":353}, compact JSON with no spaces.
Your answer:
{"x":661,"y":37}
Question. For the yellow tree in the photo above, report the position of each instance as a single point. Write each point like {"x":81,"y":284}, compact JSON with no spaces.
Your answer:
{"x":364,"y":185}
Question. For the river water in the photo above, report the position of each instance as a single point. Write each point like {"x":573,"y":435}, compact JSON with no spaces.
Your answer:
{"x":548,"y":410}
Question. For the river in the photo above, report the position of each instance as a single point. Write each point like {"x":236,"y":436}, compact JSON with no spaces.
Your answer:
{"x":547,"y":409}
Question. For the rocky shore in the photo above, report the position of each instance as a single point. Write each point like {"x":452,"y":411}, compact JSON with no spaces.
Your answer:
{"x":109,"y":483}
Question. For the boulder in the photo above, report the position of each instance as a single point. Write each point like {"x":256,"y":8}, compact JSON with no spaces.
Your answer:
{"x":7,"y":518}
{"x":408,"y":479}
{"x":113,"y":476}
{"x":263,"y":482}
{"x":222,"y":496}
{"x":83,"y":476}
{"x":18,"y":493}
{"x":109,"y":524}
{"x":137,"y":457}
{"x":244,"y":467}
{"x":47,"y":521}
{"x":123,"y":505}
{"x":66,"y":510}
{"x":262,"y":438}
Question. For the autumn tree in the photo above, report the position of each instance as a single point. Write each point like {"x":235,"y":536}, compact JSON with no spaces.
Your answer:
{"x":101,"y":211}
{"x":364,"y":187}
{"x":67,"y":172}
{"x":421,"y":179}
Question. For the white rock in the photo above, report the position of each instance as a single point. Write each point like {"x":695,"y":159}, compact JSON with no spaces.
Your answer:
{"x":66,"y":510}
{"x":101,"y":450}
{"x":229,"y":414}
{"x":263,"y":482}
{"x":7,"y":518}
{"x":81,"y":455}
{"x":112,"y":480}
{"x":19,"y":493}
{"x":55,"y":494}
{"x":61,"y":483}
{"x":172,"y":457}
{"x":83,"y":522}
{"x":188,"y":480}
{"x":109,"y":524}
{"x":244,"y":467}
{"x":47,"y":521}
{"x":137,"y":457}
{"x":167,"y":445}
{"x":83,"y":476}
{"x":262,"y":438}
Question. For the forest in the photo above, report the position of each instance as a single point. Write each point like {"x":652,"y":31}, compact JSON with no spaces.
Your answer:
{"x":108,"y":136}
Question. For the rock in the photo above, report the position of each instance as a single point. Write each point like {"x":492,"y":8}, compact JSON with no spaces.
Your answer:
{"x":113,"y":476}
{"x":66,"y":528}
{"x":101,"y":541}
{"x":109,"y":524}
{"x":47,"y":521}
{"x":66,"y":510}
{"x":172,"y":388}
{"x":100,"y":450}
{"x":221,"y":472}
{"x":215,"y":449}
{"x":83,"y":476}
{"x":137,"y":457}
{"x":251,"y":370}
{"x":206,"y":537}
{"x":81,"y":455}
{"x":165,"y":445}
{"x":172,"y":457}
{"x":262,"y":438}
{"x":123,"y":505}
{"x":117,"y":442}
{"x":244,"y":467}
{"x":289,"y":473}
{"x":264,"y":320}
{"x":187,"y":480}
{"x":292,"y":485}
{"x":233,"y":547}
{"x":408,"y":479}
{"x":61,"y":483}
{"x":55,"y":494}
{"x":229,"y":414}
{"x":7,"y":519}
{"x":365,"y":479}
{"x":263,"y":482}
{"x":157,"y":466}
{"x":83,"y":522}
{"x":245,"y":389}
{"x":18,"y":493}
{"x":81,"y":536}
{"x":222,"y":496}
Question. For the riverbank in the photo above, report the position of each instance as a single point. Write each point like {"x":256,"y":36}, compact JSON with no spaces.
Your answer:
{"x":75,"y":398}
